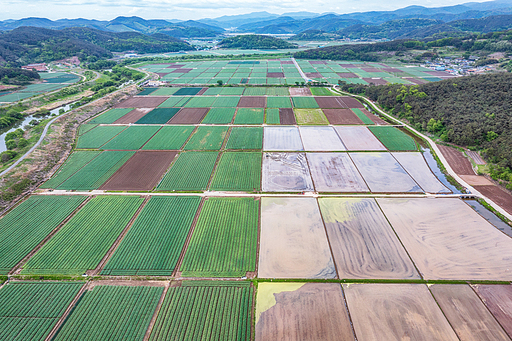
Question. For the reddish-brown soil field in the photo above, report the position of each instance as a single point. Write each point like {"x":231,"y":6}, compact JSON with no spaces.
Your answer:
{"x":439,"y":74}
{"x":391,"y":69}
{"x":498,"y":298}
{"x":252,"y":102}
{"x":141,"y":172}
{"x":317,"y":62}
{"x":300,"y":92}
{"x":161,"y":74}
{"x":202,"y":91}
{"x":329,"y":102}
{"x":375,"y":119}
{"x":416,"y":80}
{"x":371,"y":69}
{"x":286,"y":62}
{"x":142,"y":102}
{"x":351,"y":102}
{"x":133,"y":116}
{"x":457,"y":160}
{"x":378,"y":81}
{"x":275,"y":74}
{"x":286,"y":116}
{"x":348,"y":65}
{"x":189,"y":116}
{"x":341,"y":116}
{"x":313,"y":75}
{"x":498,"y":195}
{"x":347,"y":75}
{"x":174,"y":66}
{"x":182,"y":71}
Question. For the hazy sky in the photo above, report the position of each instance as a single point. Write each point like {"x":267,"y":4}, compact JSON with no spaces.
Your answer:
{"x":193,"y":9}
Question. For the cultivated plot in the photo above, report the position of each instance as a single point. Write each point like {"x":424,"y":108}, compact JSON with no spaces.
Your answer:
{"x":362,"y":241}
{"x":142,"y":102}
{"x":169,"y":138}
{"x":335,"y":172}
{"x":238,"y":171}
{"x":415,"y":165}
{"x":224,"y":241}
{"x":132,"y":116}
{"x":282,"y":138}
{"x":112,"y":312}
{"x":132,"y":138}
{"x":498,"y":299}
{"x":189,"y":116}
{"x":466,"y":313}
{"x":141,"y":172}
{"x":393,"y":138}
{"x":75,"y":161}
{"x":322,"y":139}
{"x":83,"y":241}
{"x":249,"y":116}
{"x":301,"y":311}
{"x":219,"y":116}
{"x":432,"y":233}
{"x":285,"y":172}
{"x":293,"y":243}
{"x":95,"y":138}
{"x":359,"y":138}
{"x":29,"y":310}
{"x":205,"y":310}
{"x":252,"y":102}
{"x":110,"y":116}
{"x":395,"y":311}
{"x":158,"y":116}
{"x":286,"y":116}
{"x":310,"y":117}
{"x":245,"y":138}
{"x":383,"y":173}
{"x":207,"y":138}
{"x":153,"y":244}
{"x":341,"y":116}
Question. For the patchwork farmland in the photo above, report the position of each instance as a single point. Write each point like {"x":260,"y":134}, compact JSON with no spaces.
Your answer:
{"x":260,"y":210}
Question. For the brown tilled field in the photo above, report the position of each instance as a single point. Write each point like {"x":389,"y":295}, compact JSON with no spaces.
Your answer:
{"x":351,"y":102}
{"x":341,"y":116}
{"x":133,"y":116}
{"x":498,"y":195}
{"x":275,"y":74}
{"x":391,"y":69}
{"x":202,"y":91}
{"x":498,"y":299}
{"x":376,"y":81}
{"x":189,"y":116}
{"x":457,"y":160}
{"x":182,"y":71}
{"x":286,"y":116}
{"x":141,"y":172}
{"x":175,"y":66}
{"x":300,"y":92}
{"x":370,"y":69}
{"x":347,"y":65}
{"x":416,"y":80}
{"x":252,"y":102}
{"x":329,"y":102}
{"x":347,"y":75}
{"x":313,"y":75}
{"x":375,"y":119}
{"x":142,"y":102}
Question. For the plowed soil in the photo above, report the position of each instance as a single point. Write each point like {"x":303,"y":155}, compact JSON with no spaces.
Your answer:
{"x":330,"y":102}
{"x":313,"y":75}
{"x":286,"y":116}
{"x":133,"y":116}
{"x":141,"y":172}
{"x":371,"y":69}
{"x":189,"y":116}
{"x":498,"y":299}
{"x":378,"y":81}
{"x":300,"y":92}
{"x":341,"y":116}
{"x":375,"y":119}
{"x":351,"y":102}
{"x":498,"y":195}
{"x":175,"y":66}
{"x":142,"y":102}
{"x":275,"y":74}
{"x":457,"y":160}
{"x":252,"y":102}
{"x":347,"y":75}
{"x":182,"y":71}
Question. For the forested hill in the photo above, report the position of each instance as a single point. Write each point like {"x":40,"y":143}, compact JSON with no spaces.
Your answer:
{"x":255,"y":41}
{"x":473,"y":111}
{"x":32,"y":45}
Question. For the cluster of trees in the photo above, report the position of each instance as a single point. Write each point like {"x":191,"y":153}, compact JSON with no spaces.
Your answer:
{"x":26,"y":45}
{"x":17,"y":76}
{"x":472,"y":111}
{"x":256,"y":41}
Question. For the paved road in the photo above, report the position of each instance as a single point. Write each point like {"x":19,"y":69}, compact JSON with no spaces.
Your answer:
{"x":302,"y":74}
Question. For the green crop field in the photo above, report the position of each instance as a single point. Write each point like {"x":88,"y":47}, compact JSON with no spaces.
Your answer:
{"x":310,"y":117}
{"x":72,"y":165}
{"x":226,"y":102}
{"x":187,"y":91}
{"x":362,"y":116}
{"x":393,"y":138}
{"x":110,"y":116}
{"x":190,"y":172}
{"x":30,"y":310}
{"x":153,"y":244}
{"x":212,"y":91}
{"x":163,"y":92}
{"x":207,"y":138}
{"x":279,"y":102}
{"x":232,"y":91}
{"x":224,"y":241}
{"x":205,"y":311}
{"x":98,"y":136}
{"x":169,"y":138}
{"x":175,"y":101}
{"x":147,"y":92}
{"x":238,"y":171}
{"x":259,"y":91}
{"x":245,"y":138}
{"x":219,"y":116}
{"x":112,"y":313}
{"x":272,"y":116}
{"x":321,"y":92}
{"x":85,"y":239}
{"x":23,"y":228}
{"x":249,"y":116}
{"x":84,"y":128}
{"x":304,"y":102}
{"x":132,"y":138}
{"x":96,"y":172}
{"x":158,"y":116}
{"x":277,"y":92}
{"x":200,"y":102}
